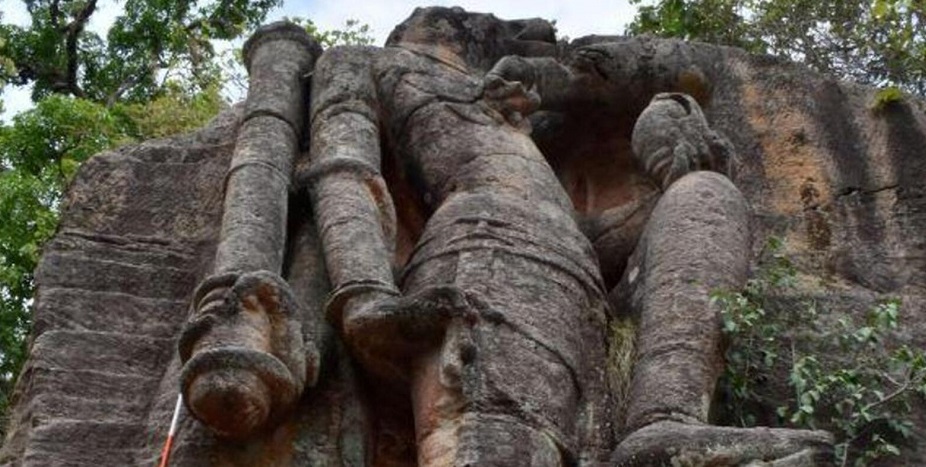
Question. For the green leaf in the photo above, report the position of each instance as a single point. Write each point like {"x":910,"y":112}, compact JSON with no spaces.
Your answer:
{"x":887,"y":96}
{"x":876,"y":42}
{"x":880,"y":9}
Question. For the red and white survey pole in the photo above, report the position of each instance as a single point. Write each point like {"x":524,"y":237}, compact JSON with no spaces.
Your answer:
{"x":165,"y":453}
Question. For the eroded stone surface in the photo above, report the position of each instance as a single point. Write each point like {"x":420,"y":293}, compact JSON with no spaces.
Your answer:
{"x":507,"y":350}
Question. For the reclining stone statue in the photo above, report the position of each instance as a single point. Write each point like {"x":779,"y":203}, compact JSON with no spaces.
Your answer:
{"x":471,"y":273}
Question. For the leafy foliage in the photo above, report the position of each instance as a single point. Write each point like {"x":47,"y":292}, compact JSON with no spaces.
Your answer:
{"x":7,"y":67}
{"x":40,"y":152}
{"x":886,"y":97}
{"x":151,"y":42}
{"x":715,"y":21}
{"x":155,"y":74}
{"x":880,"y":42}
{"x":59,"y":133}
{"x":26,"y":206}
{"x":354,"y":33}
{"x":862,"y":392}
{"x":172,"y":112}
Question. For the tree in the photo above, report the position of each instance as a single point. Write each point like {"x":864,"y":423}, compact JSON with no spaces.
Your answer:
{"x":880,"y":42}
{"x":714,"y":21}
{"x":7,"y":67}
{"x":155,"y":74}
{"x":153,"y":41}
{"x":40,"y":151}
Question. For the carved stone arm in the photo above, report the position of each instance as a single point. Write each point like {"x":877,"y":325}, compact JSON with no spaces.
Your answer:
{"x":620,"y":77}
{"x":245,"y":361}
{"x":354,"y":210}
{"x":546,"y":76}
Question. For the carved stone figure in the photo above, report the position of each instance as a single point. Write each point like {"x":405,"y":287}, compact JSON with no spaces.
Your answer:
{"x":487,"y":323}
{"x":424,"y":251}
{"x":245,"y":359}
{"x":495,"y":326}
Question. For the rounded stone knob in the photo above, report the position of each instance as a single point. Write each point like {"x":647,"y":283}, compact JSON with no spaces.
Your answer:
{"x":237,"y":391}
{"x":235,"y":401}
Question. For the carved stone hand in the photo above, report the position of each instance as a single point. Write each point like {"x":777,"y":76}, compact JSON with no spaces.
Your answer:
{"x":245,"y":361}
{"x":508,"y":89}
{"x":672,"y":138}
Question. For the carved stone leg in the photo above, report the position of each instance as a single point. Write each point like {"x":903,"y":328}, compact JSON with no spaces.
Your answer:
{"x":467,"y":415}
{"x":508,"y":386}
{"x":696,"y":241}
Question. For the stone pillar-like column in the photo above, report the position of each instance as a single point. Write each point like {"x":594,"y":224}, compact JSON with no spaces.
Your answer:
{"x":245,"y":359}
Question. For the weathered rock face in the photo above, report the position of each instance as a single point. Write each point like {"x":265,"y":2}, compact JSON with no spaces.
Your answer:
{"x":839,"y":181}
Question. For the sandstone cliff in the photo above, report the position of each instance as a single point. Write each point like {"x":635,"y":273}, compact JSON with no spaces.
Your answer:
{"x":839,"y":181}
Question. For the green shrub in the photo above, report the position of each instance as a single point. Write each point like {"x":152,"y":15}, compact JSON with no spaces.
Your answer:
{"x":844,"y":375}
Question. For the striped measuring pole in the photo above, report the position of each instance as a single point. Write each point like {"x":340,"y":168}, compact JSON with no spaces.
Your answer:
{"x":165,"y":453}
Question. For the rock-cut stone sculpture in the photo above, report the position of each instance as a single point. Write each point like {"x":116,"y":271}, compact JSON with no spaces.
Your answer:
{"x":475,"y":245}
{"x":470,"y":275}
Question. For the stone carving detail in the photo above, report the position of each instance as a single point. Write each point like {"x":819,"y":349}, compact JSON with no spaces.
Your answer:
{"x":245,"y":362}
{"x":495,"y":326}
{"x":484,"y":326}
{"x":671,"y":139}
{"x":423,"y":247}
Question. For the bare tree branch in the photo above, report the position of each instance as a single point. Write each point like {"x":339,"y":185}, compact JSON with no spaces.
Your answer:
{"x":54,"y":12}
{"x":74,"y":28}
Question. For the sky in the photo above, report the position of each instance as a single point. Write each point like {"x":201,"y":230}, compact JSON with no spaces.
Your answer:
{"x":574,"y":18}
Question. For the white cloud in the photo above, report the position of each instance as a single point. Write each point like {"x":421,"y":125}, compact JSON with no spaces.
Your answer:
{"x":104,"y":16}
{"x":15,"y":12}
{"x":15,"y":100}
